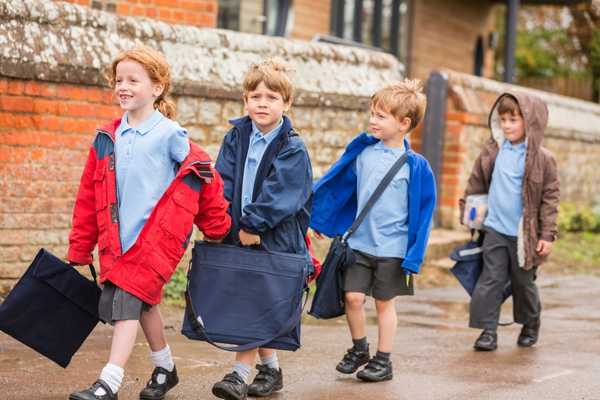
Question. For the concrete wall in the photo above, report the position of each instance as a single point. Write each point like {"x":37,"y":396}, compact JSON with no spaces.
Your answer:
{"x":53,"y":95}
{"x":573,"y":135}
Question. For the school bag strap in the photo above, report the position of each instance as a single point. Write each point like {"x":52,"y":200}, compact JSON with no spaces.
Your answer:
{"x":376,"y":195}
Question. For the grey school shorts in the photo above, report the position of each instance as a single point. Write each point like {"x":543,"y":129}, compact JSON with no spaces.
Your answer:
{"x":118,"y":305}
{"x":380,"y":277}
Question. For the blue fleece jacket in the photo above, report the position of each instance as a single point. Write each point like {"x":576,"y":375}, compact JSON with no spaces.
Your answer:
{"x":335,"y":199}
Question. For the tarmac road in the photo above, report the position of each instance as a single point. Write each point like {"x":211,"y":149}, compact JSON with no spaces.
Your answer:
{"x":433,"y":357}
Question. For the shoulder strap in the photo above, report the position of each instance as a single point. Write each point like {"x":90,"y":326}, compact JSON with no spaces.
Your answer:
{"x":376,"y":194}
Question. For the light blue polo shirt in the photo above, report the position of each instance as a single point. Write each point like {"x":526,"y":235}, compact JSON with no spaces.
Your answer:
{"x":147,"y":158}
{"x":256,"y":149}
{"x":384,"y":231}
{"x":505,"y":199}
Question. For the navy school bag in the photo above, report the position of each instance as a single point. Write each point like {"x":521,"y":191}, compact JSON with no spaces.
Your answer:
{"x":52,"y":309}
{"x":468,"y":259}
{"x":245,"y":297}
{"x":328,"y":301}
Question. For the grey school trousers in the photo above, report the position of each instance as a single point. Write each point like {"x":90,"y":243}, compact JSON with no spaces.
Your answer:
{"x":500,"y":263}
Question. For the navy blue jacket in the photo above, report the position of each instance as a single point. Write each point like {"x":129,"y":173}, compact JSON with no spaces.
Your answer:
{"x":335,"y":199}
{"x":281,"y":200}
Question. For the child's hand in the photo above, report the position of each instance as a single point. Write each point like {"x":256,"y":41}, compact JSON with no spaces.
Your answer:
{"x":543,"y":247}
{"x":249,"y":239}
{"x":318,"y":235}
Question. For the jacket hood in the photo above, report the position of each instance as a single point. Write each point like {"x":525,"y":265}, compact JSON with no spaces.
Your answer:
{"x":535,"y":118}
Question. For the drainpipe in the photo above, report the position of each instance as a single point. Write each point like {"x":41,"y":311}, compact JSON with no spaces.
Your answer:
{"x":512,"y":11}
{"x":434,"y":125}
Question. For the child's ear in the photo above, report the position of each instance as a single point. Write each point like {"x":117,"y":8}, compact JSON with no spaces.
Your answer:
{"x":157,"y":89}
{"x":288,"y":105}
{"x":406,"y":122}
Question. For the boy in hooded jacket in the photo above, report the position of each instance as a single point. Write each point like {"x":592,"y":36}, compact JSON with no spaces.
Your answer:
{"x":521,"y":180}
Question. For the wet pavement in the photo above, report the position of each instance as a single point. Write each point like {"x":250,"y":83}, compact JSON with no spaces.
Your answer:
{"x":433,"y":356}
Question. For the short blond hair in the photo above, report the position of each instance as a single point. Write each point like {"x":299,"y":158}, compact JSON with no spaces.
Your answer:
{"x":157,"y":67}
{"x":403,"y":100}
{"x":274,"y":74}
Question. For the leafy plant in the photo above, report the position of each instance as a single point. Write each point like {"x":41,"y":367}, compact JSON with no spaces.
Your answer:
{"x":577,"y":218}
{"x":173,"y":291}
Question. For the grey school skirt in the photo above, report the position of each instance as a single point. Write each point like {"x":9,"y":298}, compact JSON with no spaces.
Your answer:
{"x":118,"y":305}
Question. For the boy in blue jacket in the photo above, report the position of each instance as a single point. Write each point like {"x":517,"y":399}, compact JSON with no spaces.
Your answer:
{"x":267,"y":178}
{"x":390,"y":243}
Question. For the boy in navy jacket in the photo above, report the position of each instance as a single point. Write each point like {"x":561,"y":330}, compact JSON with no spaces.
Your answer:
{"x":390,"y":243}
{"x":267,"y":179}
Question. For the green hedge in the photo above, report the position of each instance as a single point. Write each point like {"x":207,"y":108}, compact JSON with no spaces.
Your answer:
{"x":577,"y":218}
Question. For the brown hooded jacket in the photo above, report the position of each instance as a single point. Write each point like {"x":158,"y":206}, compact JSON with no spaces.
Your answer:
{"x":540,"y":181}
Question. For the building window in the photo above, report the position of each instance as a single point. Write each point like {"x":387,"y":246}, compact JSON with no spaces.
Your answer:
{"x":279,"y":15}
{"x":269,"y":17}
{"x":378,"y":23}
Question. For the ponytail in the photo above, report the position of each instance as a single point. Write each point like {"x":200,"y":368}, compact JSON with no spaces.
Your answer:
{"x":166,"y":107}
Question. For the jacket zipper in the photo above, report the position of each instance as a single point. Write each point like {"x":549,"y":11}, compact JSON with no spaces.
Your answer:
{"x":114,"y":208}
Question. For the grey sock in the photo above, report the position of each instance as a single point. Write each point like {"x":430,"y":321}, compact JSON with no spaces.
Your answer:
{"x":361,"y":344}
{"x":242,"y":370}
{"x":383,"y":356}
{"x":271,"y":361}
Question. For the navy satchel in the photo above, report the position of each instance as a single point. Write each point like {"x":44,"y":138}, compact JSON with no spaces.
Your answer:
{"x":328,"y":301}
{"x":52,"y":309}
{"x":468,"y":265}
{"x":244,"y":297}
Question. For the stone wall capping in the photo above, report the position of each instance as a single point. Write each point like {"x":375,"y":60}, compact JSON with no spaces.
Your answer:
{"x":67,"y":43}
{"x":569,"y":118}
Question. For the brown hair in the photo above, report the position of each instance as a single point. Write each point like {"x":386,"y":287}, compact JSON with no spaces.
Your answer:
{"x":403,"y":100}
{"x":274,"y":74}
{"x":508,"y":104}
{"x":155,"y":64}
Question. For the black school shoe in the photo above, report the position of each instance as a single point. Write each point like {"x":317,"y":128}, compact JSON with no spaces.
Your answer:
{"x":155,"y":390}
{"x":267,"y":381}
{"x":529,"y":335}
{"x":487,"y":341}
{"x":88,"y":394}
{"x":352,"y":360}
{"x":231,"y":387}
{"x":377,"y":370}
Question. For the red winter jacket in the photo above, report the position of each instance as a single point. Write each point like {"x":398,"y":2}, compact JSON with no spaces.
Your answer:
{"x":194,"y":196}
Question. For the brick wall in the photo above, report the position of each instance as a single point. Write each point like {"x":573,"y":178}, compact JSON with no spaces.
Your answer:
{"x":444,"y":35}
{"x":572,"y":135}
{"x":189,"y":12}
{"x":45,"y":132}
{"x":311,"y":17}
{"x":51,"y":100}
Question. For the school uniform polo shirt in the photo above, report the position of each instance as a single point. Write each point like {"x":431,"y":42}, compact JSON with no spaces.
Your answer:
{"x":147,"y":159}
{"x":505,"y":198}
{"x":256,"y":149}
{"x":384,"y":231}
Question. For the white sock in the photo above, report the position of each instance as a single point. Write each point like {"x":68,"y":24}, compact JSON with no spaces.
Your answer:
{"x":163,"y":358}
{"x":270,"y":361}
{"x":242,"y":370}
{"x":112,"y":375}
